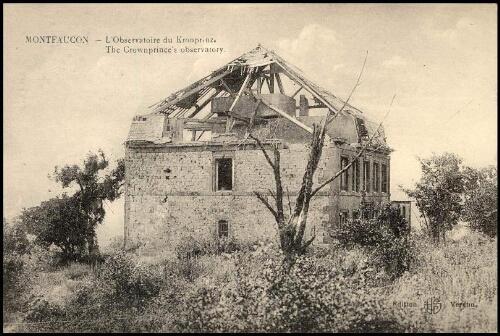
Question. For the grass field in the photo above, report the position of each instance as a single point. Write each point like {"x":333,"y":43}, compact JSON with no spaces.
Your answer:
{"x":335,"y":287}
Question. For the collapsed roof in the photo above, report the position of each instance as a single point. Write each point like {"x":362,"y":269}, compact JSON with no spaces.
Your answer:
{"x":236,"y":93}
{"x":251,"y":63}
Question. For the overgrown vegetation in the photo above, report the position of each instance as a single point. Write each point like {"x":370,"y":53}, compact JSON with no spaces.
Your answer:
{"x":449,"y":191}
{"x":329,"y":289}
{"x":69,"y":221}
{"x":481,"y":199}
{"x":438,"y":194}
{"x":190,"y":247}
{"x":387,"y":238}
{"x":377,"y":277}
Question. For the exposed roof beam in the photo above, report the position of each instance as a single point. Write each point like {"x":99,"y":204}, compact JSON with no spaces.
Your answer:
{"x":243,"y":87}
{"x":228,"y":89}
{"x":208,"y":116}
{"x":304,"y":85}
{"x":256,"y":76}
{"x":180,"y":114}
{"x":199,"y":108}
{"x":284,"y":114}
{"x":280,"y":85}
{"x":196,"y":89}
{"x":300,"y":88}
{"x":203,"y":121}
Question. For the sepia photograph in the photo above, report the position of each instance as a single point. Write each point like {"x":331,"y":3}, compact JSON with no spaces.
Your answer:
{"x":237,"y":168}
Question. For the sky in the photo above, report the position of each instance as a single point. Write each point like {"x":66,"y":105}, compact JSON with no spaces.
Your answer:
{"x":61,"y":101}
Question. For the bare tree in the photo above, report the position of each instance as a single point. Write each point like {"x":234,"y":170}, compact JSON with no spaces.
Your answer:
{"x":291,"y":231}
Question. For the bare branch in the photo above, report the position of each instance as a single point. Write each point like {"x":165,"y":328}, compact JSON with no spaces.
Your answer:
{"x":363,"y":150}
{"x":266,"y":203}
{"x":279,"y":187}
{"x":259,"y":143}
{"x":272,"y":194}
{"x":387,"y":113}
{"x":289,"y":203}
{"x":350,"y":94}
{"x":312,"y":164}
{"x":340,"y":172}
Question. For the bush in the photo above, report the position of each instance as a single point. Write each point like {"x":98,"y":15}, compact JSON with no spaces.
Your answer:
{"x":312,"y":297}
{"x":76,"y":271}
{"x":190,"y":247}
{"x":19,"y":272}
{"x":396,"y":255}
{"x":40,"y":310}
{"x":13,"y":265}
{"x":481,"y":199}
{"x":130,"y":283}
{"x":387,"y":238}
{"x":366,"y":233}
{"x":189,"y":269}
{"x":15,"y":247}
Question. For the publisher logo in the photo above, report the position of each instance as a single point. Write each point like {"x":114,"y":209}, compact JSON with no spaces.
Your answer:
{"x":433,"y":305}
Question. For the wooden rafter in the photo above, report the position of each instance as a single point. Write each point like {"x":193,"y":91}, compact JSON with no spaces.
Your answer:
{"x":271,"y":83}
{"x":202,"y":132}
{"x":300,"y":88}
{"x":183,"y":110}
{"x":228,"y":89}
{"x":192,"y":91}
{"x":306,"y":87}
{"x":256,"y":75}
{"x":267,"y":82}
{"x":284,"y":114}
{"x":205,"y":103}
{"x":280,"y":85}
{"x":242,"y":89}
{"x":201,"y":124}
{"x":254,"y":113}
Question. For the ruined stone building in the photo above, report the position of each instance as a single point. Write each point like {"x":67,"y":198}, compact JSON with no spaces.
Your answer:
{"x":191,"y":169}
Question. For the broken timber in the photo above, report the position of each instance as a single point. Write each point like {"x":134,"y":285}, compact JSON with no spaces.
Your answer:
{"x":283,"y":114}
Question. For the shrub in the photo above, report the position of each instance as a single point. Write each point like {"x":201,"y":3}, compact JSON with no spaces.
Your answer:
{"x":359,"y":232}
{"x":40,"y":310}
{"x":130,"y":283}
{"x":312,"y":297}
{"x":76,"y":271}
{"x":481,"y":199}
{"x":190,"y":247}
{"x":228,"y":245}
{"x":19,"y":272}
{"x":15,"y":246}
{"x":189,"y":269}
{"x":13,"y":265}
{"x":396,"y":255}
{"x":387,"y":238}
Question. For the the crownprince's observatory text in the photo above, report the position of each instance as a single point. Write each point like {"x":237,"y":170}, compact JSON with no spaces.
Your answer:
{"x":146,"y":45}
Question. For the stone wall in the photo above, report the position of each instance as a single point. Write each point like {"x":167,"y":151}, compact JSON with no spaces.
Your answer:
{"x":169,"y":194}
{"x":147,"y":127}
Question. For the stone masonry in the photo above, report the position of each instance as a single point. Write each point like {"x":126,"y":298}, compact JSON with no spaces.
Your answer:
{"x":170,"y":193}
